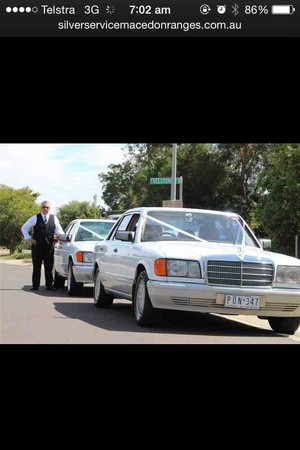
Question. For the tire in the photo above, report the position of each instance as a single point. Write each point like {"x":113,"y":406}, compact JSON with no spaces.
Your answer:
{"x":284,"y":325}
{"x":59,"y":282}
{"x":101,"y":298}
{"x":143,"y":310}
{"x":72,"y":285}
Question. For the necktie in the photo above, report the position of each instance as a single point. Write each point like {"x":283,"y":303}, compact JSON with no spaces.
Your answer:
{"x":45,"y":220}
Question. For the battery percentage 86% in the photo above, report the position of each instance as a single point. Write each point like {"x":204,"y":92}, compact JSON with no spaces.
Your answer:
{"x":256,"y":9}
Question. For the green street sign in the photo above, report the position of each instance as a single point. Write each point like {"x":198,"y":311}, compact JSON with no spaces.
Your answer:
{"x":163,"y":180}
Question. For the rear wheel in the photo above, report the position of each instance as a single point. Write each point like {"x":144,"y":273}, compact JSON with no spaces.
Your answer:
{"x":73,"y":286}
{"x":101,"y":298}
{"x":285,"y":325}
{"x":143,"y":310}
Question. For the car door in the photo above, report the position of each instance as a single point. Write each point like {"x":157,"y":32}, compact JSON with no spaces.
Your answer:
{"x":58,"y":248}
{"x":117,"y":266}
{"x":62,"y":250}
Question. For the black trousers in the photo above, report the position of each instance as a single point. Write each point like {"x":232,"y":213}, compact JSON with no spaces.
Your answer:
{"x":42,"y":253}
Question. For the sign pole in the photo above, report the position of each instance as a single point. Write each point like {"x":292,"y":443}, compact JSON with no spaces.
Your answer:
{"x":173,"y":180}
{"x":181,"y":188}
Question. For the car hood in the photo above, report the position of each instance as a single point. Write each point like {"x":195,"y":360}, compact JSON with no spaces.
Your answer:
{"x":196,"y":250}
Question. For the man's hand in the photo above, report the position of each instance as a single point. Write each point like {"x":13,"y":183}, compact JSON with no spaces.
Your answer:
{"x":31,"y":242}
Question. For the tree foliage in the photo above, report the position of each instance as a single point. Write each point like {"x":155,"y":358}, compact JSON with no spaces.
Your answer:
{"x":220,"y":178}
{"x":279,"y":206}
{"x":127,"y":185}
{"x":202,"y":174}
{"x":16,"y":206}
{"x":78,"y":210}
{"x":224,"y":177}
{"x":242,"y":163}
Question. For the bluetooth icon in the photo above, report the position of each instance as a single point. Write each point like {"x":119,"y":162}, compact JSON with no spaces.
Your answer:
{"x":235,"y":9}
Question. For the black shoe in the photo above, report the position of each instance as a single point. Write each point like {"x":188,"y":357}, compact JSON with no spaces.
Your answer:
{"x":50,"y":288}
{"x":34,"y":289}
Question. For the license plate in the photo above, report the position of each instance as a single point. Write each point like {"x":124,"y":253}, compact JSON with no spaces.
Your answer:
{"x":241,"y":301}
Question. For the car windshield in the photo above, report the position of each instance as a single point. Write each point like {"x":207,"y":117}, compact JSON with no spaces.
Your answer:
{"x":93,"y":231}
{"x":199,"y":226}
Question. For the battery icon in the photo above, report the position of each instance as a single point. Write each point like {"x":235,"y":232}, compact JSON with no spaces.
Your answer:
{"x":283,"y":9}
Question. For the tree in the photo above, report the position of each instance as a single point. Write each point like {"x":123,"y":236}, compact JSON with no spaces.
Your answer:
{"x":279,"y":186}
{"x":78,"y":210}
{"x":223,"y":176}
{"x":202,"y":174}
{"x":16,"y":206}
{"x":242,"y":164}
{"x":127,"y":185}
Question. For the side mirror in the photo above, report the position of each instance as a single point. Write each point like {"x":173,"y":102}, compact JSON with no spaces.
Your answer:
{"x":127,"y":236}
{"x":63,"y":237}
{"x":265,"y":243}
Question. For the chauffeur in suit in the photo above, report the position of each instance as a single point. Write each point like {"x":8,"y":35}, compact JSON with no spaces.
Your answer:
{"x":44,"y":225}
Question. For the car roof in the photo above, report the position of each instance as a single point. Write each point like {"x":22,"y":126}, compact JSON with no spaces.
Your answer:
{"x":146,"y":209}
{"x":94,"y":220}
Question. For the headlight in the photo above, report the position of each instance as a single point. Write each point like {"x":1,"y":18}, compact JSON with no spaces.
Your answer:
{"x":177,"y":268}
{"x":86,"y":257}
{"x":288,"y":274}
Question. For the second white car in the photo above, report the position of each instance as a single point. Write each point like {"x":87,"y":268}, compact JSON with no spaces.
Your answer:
{"x":73,"y":253}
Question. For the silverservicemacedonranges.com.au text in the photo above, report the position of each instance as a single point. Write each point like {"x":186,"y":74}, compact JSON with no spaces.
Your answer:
{"x":151,"y":25}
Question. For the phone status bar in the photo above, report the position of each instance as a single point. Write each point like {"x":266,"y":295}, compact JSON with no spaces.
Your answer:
{"x":141,"y":9}
{"x":174,"y":17}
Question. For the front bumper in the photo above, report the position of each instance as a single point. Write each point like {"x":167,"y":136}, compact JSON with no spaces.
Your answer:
{"x":196,"y":297}
{"x":83,"y":273}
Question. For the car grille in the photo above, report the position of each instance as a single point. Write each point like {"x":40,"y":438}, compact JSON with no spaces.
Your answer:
{"x":239,"y":273}
{"x":209,"y":303}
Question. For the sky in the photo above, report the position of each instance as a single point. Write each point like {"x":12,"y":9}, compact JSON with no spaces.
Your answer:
{"x":59,"y":172}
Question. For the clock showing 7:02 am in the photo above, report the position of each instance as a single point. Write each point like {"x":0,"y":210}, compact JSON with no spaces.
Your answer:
{"x":148,"y":9}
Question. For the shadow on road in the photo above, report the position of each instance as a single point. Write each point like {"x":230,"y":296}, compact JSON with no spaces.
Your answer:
{"x":120,"y":318}
{"x":42,"y":291}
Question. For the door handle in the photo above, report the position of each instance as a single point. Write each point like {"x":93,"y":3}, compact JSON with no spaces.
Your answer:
{"x":115,"y":250}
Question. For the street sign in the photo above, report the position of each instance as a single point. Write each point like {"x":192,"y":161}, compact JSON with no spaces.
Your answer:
{"x":164,"y":180}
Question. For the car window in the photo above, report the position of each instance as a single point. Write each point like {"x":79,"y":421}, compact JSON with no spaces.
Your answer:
{"x":132,"y":225}
{"x":93,"y":231}
{"x":70,"y":230}
{"x":202,"y":226}
{"x":128,"y":223}
{"x":125,"y":222}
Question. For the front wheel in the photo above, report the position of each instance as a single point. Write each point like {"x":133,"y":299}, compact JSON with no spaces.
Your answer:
{"x":284,"y":325}
{"x":73,"y":286}
{"x":101,"y":298}
{"x":143,"y":310}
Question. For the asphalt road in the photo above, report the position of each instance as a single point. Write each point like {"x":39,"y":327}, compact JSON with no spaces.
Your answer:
{"x":45,"y":317}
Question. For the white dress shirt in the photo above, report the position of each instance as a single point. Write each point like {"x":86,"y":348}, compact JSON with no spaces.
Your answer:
{"x":32,"y":221}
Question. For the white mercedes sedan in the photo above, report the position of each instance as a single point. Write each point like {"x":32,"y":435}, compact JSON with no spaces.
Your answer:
{"x":195,"y":260}
{"x":74,"y":250}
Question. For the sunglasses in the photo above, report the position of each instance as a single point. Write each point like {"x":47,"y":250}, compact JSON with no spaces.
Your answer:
{"x":46,"y":207}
